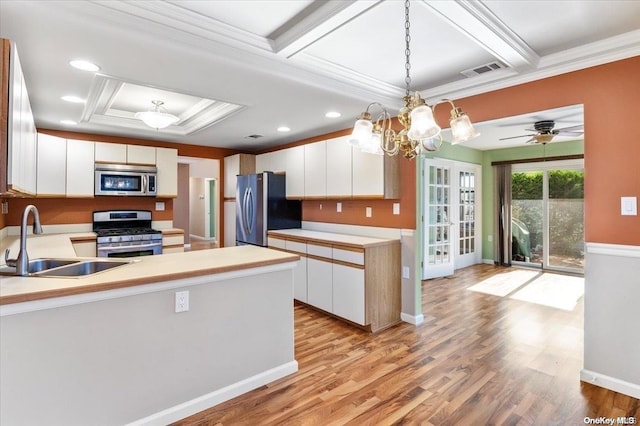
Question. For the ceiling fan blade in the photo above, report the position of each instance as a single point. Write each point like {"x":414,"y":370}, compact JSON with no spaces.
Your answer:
{"x":531,"y":141}
{"x":569,"y":133}
{"x":515,"y":137}
{"x":579,"y":127}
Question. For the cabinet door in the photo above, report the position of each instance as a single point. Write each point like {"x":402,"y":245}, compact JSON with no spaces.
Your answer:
{"x":295,"y":171}
{"x":263,"y":162}
{"x":28,"y":136}
{"x":348,"y":293}
{"x":167,"y":163}
{"x":300,"y":280}
{"x":229,"y":223}
{"x":80,"y":168}
{"x":52,"y":164}
{"x":138,"y":154}
{"x":231,"y":170}
{"x":319,"y":284}
{"x":367,"y":174}
{"x":338,"y":167}
{"x":315,"y":169}
{"x":111,"y":152}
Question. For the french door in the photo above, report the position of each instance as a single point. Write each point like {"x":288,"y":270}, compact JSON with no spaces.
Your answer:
{"x":547,"y":208}
{"x":451,"y":221}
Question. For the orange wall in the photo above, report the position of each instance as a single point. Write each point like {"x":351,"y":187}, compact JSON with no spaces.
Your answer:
{"x":610,"y":94}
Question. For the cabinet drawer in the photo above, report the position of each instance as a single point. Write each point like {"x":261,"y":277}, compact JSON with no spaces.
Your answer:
{"x":295,"y":246}
{"x":173,"y":240}
{"x":276,"y":242}
{"x":356,"y":257}
{"x":322,"y":251}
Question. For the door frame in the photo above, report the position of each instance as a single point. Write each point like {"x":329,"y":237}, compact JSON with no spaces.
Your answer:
{"x":210,"y":207}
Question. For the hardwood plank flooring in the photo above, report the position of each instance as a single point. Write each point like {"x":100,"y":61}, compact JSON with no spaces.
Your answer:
{"x":477,"y":359}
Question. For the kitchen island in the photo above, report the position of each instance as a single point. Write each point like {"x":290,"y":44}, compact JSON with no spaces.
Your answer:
{"x":110,"y":348}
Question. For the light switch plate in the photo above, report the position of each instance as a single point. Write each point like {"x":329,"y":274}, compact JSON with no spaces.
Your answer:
{"x":629,"y":206}
{"x":159,"y":206}
{"x":368,"y":212}
{"x":406,"y":272}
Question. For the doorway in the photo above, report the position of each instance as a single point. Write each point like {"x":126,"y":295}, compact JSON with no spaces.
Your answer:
{"x":451,"y":222}
{"x":210,"y":209}
{"x":547,"y":207}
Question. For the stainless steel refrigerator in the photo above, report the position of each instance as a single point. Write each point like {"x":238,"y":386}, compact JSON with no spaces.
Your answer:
{"x":261,"y":205}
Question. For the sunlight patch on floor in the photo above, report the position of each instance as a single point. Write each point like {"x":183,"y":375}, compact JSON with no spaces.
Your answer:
{"x":504,"y":283}
{"x":555,"y":290}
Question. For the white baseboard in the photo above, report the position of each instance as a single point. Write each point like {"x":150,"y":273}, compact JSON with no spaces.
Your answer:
{"x":412,"y":319}
{"x":610,"y":383}
{"x":211,"y":399}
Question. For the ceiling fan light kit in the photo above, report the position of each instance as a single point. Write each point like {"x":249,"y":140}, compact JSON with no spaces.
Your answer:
{"x":420,"y":130}
{"x":156,"y":118}
{"x":546,"y":132}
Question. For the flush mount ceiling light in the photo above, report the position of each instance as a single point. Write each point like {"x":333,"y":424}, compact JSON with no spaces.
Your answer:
{"x":332,"y":114}
{"x":73,"y":99}
{"x":283,"y":129}
{"x":156,"y":118}
{"x":420,"y":130}
{"x":83,"y":65}
{"x":68,"y":122}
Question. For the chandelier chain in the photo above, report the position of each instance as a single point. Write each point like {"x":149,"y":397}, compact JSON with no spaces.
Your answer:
{"x":407,"y":50}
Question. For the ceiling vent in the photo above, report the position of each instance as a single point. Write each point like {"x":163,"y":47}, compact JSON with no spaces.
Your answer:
{"x":492,"y":66}
{"x":255,"y":136}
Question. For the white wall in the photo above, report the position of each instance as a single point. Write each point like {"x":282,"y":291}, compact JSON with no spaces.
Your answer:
{"x":612,"y":317}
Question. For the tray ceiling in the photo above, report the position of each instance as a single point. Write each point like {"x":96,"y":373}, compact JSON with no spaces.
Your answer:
{"x":288,"y":63}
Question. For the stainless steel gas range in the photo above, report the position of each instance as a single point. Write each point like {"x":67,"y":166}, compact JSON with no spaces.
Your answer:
{"x":126,"y":233}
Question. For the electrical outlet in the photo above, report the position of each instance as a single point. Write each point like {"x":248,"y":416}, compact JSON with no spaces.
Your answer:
{"x":320,"y":206}
{"x":489,"y":238}
{"x":5,"y":207}
{"x":406,"y":272}
{"x":182,"y":301}
{"x":339,"y":207}
{"x":396,"y":208}
{"x":159,"y":206}
{"x":368,"y":212}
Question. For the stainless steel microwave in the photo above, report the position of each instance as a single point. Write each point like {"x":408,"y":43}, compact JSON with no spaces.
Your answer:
{"x":126,"y":179}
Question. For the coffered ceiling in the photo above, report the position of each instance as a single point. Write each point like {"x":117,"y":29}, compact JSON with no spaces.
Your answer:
{"x":287,"y":63}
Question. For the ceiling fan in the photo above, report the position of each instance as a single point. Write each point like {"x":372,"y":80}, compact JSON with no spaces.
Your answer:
{"x":545,"y":132}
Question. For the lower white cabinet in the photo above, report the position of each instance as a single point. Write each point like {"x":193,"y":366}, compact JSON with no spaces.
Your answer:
{"x":229,"y":223}
{"x":300,"y":280}
{"x":348,"y":293}
{"x":319,"y":284}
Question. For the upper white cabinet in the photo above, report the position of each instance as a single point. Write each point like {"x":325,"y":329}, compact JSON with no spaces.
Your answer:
{"x":338,"y":166}
{"x":167,"y":163}
{"x":52,"y":166}
{"x":238,"y":164}
{"x":111,"y":153}
{"x":139,"y":154}
{"x":294,"y":160}
{"x":271,"y":162}
{"x":374,"y":176}
{"x":315,"y":170}
{"x":80,"y":168}
{"x":22,"y":139}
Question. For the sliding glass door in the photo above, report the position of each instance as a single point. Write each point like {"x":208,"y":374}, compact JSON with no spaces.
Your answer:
{"x":547,"y":210}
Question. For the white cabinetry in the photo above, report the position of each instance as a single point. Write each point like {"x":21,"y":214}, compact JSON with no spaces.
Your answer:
{"x":294,"y":160}
{"x":238,"y":164}
{"x":315,"y":170}
{"x":348,"y":293}
{"x":271,"y":162}
{"x":229,"y":223}
{"x":52,"y":164}
{"x":110,"y":153}
{"x":338,"y":166}
{"x":80,"y":168}
{"x":319,"y":284}
{"x":139,"y":154}
{"x":167,"y":163}
{"x":368,"y":174}
{"x":300,"y":272}
{"x":21,"y":132}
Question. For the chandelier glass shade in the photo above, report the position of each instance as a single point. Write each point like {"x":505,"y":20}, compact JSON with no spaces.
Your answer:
{"x":156,"y":118}
{"x":420,"y":130}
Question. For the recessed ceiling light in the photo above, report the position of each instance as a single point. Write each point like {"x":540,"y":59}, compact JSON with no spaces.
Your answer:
{"x":68,"y":122}
{"x":83,"y":65}
{"x":283,"y":129}
{"x":332,"y":114}
{"x":73,"y":99}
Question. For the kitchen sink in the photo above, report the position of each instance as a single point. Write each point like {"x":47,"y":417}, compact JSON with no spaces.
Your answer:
{"x":87,"y":267}
{"x":66,"y":268}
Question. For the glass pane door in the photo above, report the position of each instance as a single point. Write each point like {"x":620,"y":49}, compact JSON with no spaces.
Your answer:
{"x":566,"y":218}
{"x":468,"y":242}
{"x":438,"y":251}
{"x":527,"y":217}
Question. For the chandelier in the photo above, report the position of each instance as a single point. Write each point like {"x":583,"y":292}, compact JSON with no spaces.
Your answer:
{"x":420,"y":130}
{"x":156,"y":118}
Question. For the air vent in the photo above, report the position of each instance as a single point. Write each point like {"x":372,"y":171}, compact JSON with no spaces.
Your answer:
{"x":254,"y":136}
{"x":483,"y":69}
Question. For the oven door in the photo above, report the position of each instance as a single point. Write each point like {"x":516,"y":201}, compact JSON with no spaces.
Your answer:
{"x":120,"y":183}
{"x":130,"y":250}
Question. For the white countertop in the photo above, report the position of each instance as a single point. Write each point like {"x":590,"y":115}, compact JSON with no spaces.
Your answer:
{"x":329,"y":237}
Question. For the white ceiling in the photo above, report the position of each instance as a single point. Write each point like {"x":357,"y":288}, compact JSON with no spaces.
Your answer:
{"x":287,"y":63}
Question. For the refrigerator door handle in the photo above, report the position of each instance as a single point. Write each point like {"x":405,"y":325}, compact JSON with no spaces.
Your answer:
{"x":244,"y":216}
{"x":249,"y":210}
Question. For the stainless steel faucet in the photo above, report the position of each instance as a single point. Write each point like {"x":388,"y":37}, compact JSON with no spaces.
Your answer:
{"x":21,"y":263}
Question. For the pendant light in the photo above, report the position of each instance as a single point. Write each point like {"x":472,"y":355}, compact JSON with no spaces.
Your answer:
{"x":156,"y":118}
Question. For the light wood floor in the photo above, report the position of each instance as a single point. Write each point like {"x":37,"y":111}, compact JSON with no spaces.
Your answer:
{"x":477,"y":359}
